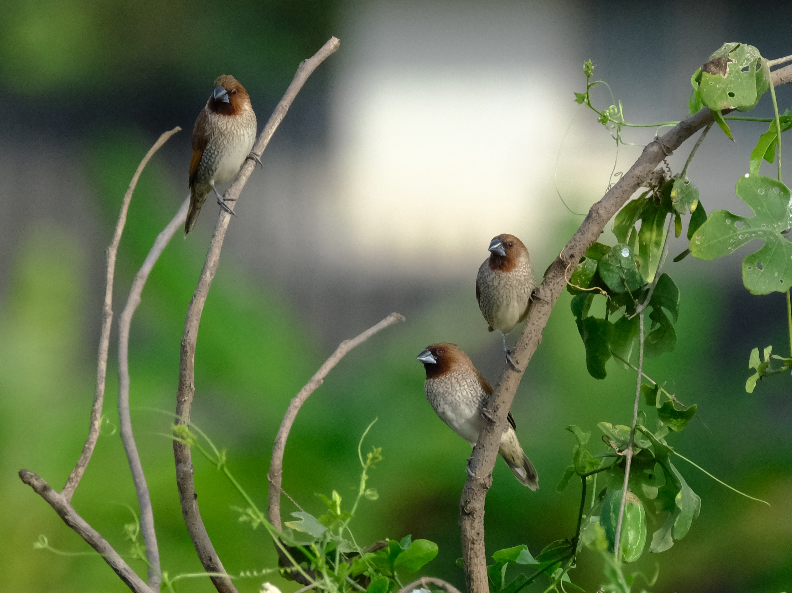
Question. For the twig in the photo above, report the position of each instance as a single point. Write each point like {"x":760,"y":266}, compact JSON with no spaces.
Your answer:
{"x":499,"y":403}
{"x":107,"y":321}
{"x":186,"y":390}
{"x":124,"y":323}
{"x":424,"y":583}
{"x":276,"y":466}
{"x":628,"y":453}
{"x":65,"y":511}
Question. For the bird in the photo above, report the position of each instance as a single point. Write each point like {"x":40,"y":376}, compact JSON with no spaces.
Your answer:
{"x":458,"y":393}
{"x":505,"y":285}
{"x":222,"y":140}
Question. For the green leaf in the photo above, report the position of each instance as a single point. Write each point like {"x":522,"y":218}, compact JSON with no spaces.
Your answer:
{"x":734,"y":78}
{"x":620,"y":435}
{"x":674,"y":497}
{"x":759,"y":366}
{"x":765,"y":148}
{"x":624,"y":221}
{"x":582,"y":276}
{"x":596,"y":334}
{"x":597,"y":251}
{"x":688,"y":503}
{"x":509,"y":555}
{"x":555,"y":552}
{"x":518,"y":583}
{"x":496,"y":574}
{"x":769,"y":269}
{"x":307,"y":524}
{"x":580,"y":98}
{"x":420,"y":552}
{"x":676,"y":419}
{"x":652,"y":236}
{"x":694,"y":102}
{"x":379,"y":584}
{"x":625,"y":332}
{"x":580,"y":306}
{"x":564,"y":482}
{"x":662,"y":338}
{"x":650,"y":394}
{"x":684,"y":195}
{"x":619,"y":271}
{"x":722,"y":124}
{"x":662,"y":539}
{"x":666,"y":295}
{"x":584,"y":462}
{"x":697,"y":218}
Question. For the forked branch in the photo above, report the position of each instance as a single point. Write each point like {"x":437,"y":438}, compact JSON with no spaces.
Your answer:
{"x":186,"y":390}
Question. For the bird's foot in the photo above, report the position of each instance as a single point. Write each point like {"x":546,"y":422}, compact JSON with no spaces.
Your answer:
{"x":510,"y":360}
{"x":222,"y":202}
{"x":254,"y":157}
{"x":486,"y":415}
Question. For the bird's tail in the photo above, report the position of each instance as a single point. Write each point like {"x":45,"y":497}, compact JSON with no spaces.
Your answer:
{"x":518,"y":461}
{"x":193,"y":212}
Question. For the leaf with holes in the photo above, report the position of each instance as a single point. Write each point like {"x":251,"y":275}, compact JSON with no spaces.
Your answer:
{"x":769,"y":269}
{"x":734,"y":78}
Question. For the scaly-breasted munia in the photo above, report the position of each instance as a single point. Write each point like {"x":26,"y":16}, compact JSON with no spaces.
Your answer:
{"x":504,"y":285}
{"x":222,"y":139}
{"x":458,"y":392}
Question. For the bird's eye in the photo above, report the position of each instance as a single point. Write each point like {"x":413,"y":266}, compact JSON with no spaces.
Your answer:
{"x":510,"y":244}
{"x":440,"y":351}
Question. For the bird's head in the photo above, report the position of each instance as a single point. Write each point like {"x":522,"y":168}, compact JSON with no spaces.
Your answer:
{"x":439,"y":359}
{"x":229,"y":97}
{"x":505,"y":252}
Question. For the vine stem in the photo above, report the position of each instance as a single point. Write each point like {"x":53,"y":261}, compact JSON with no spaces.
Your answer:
{"x":777,"y":118}
{"x":628,"y":453}
{"x":695,"y":148}
{"x":789,"y":321}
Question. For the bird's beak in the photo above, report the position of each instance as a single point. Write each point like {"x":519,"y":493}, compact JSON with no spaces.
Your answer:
{"x":426,"y":357}
{"x":497,"y":247}
{"x":220,"y":94}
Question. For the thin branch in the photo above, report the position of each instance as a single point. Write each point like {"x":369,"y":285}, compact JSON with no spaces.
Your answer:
{"x":628,"y":453}
{"x":65,"y":511}
{"x":107,"y":321}
{"x":424,"y":583}
{"x":276,"y":466}
{"x":498,"y":405}
{"x":127,"y":438}
{"x":186,"y":390}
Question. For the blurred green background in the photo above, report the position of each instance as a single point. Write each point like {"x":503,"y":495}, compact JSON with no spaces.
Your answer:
{"x":88,"y":87}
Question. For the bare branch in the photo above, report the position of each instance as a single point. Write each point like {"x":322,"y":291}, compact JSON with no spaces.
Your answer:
{"x":127,"y":438}
{"x":186,"y":391}
{"x":65,"y":511}
{"x":107,"y":320}
{"x":424,"y":583}
{"x":498,"y":405}
{"x":276,"y":467}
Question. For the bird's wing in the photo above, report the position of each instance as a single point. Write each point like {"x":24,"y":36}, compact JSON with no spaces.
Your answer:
{"x":198,"y":145}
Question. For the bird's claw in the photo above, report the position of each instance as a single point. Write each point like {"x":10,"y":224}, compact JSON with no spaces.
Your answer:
{"x":510,"y":360}
{"x":487,"y":415}
{"x":222,"y":202}
{"x":254,"y":157}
